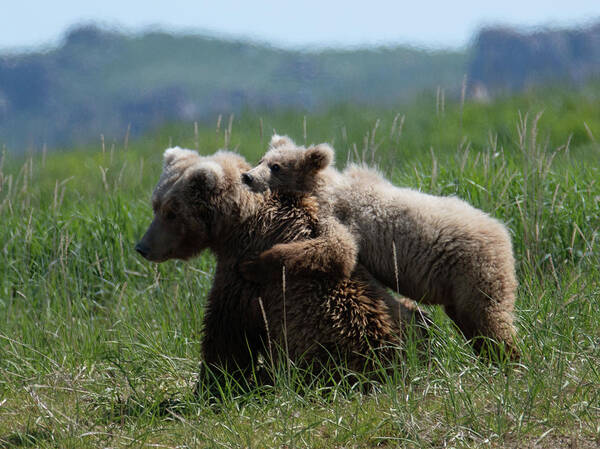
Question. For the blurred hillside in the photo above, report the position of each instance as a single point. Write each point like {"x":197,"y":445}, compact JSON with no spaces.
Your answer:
{"x":102,"y":82}
{"x":105,"y":82}
{"x":506,"y":60}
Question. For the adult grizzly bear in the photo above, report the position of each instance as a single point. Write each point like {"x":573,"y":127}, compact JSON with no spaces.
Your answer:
{"x":199,"y":203}
{"x":437,"y":250}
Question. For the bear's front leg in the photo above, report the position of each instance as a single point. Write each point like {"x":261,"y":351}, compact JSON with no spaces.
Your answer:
{"x":229,"y":348}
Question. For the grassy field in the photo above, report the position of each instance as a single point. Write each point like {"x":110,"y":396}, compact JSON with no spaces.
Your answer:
{"x":99,"y":348}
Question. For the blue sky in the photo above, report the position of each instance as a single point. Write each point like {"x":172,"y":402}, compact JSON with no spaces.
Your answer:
{"x":26,"y":24}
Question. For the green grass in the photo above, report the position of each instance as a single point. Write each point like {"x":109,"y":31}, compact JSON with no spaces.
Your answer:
{"x":99,"y":348}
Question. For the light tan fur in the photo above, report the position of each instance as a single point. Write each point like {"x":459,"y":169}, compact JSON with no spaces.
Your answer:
{"x":447,"y":252}
{"x":334,"y":250}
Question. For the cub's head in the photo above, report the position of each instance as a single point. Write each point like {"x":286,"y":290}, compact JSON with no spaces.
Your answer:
{"x":289,"y":168}
{"x":191,"y":193}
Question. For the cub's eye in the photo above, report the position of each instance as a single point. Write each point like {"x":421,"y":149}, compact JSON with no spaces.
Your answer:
{"x":275,"y":168}
{"x":171,"y":215}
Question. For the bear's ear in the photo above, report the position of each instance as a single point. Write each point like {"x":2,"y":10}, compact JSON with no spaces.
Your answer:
{"x":205,"y":175}
{"x":229,"y":159}
{"x":279,"y":141}
{"x":318,"y":157}
{"x":174,"y":154}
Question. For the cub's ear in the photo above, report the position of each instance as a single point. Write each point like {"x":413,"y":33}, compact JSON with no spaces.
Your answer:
{"x":205,"y":175}
{"x":318,"y":157}
{"x":279,"y":141}
{"x":174,"y":154}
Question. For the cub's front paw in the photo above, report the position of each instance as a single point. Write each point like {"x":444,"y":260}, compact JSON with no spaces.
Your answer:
{"x":266,"y":267}
{"x":251,"y":270}
{"x":271,"y":263}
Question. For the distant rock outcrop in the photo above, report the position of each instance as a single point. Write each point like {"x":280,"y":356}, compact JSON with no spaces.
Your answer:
{"x":506,"y":60}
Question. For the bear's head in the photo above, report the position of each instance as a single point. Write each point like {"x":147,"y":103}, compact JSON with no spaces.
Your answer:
{"x":289,"y":168}
{"x":192,"y":193}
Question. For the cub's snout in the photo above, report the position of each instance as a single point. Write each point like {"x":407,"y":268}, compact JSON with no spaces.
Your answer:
{"x":256,"y":179}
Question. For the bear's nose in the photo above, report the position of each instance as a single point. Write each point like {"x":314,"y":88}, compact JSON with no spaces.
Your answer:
{"x":142,"y":250}
{"x":247,"y":178}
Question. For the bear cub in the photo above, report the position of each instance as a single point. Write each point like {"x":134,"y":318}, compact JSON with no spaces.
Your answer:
{"x":437,"y":250}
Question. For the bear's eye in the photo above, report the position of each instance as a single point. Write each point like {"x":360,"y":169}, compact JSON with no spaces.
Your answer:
{"x":275,"y":168}
{"x":171,"y":215}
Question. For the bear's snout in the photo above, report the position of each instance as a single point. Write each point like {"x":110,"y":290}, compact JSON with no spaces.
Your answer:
{"x":247,"y":178}
{"x":140,"y":248}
